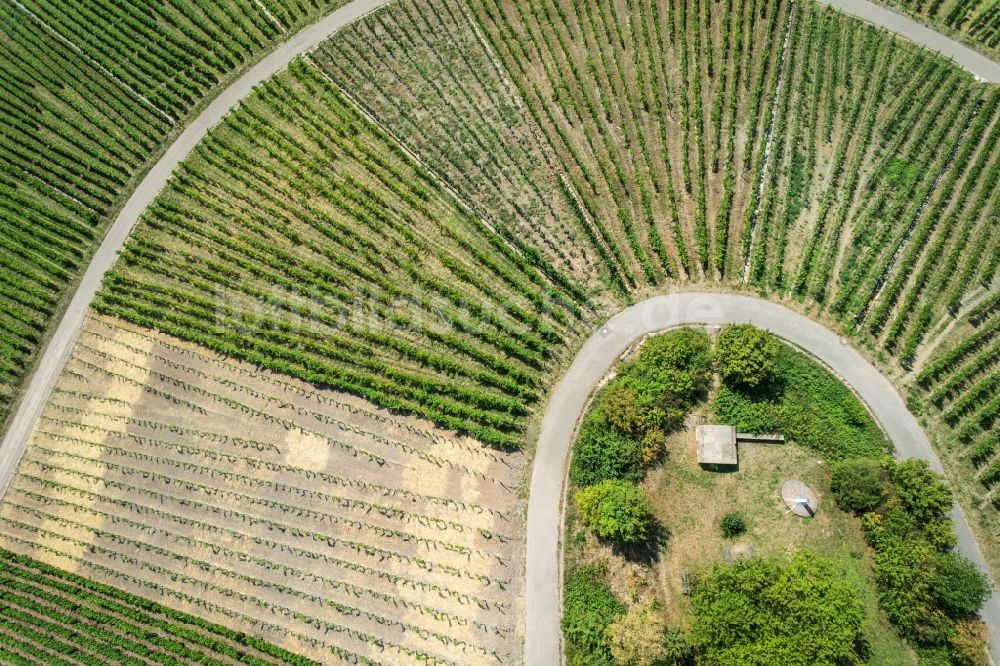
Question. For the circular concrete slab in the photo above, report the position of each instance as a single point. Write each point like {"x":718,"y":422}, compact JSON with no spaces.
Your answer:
{"x":799,"y":498}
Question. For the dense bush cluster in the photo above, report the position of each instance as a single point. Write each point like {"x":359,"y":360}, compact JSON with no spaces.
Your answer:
{"x":858,"y":484}
{"x":759,"y":611}
{"x":589,"y":608}
{"x":748,"y":613}
{"x":602,"y":631}
{"x":603,"y":452}
{"x":622,"y":435}
{"x":617,"y":511}
{"x":624,"y":432}
{"x":930,"y":593}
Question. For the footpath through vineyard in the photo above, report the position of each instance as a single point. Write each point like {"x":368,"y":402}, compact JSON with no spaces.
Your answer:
{"x":309,"y":517}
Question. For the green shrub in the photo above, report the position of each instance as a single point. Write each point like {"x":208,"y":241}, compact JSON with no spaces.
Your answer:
{"x":677,"y":647}
{"x":625,"y":430}
{"x":857,"y":484}
{"x":900,"y":173}
{"x":588,"y":608}
{"x":770,"y":612}
{"x":959,"y":587}
{"x":733,"y":525}
{"x":602,"y":453}
{"x":934,"y":656}
{"x":746,"y":355}
{"x":940,"y":534}
{"x":904,"y":572}
{"x":680,"y":361}
{"x":923,"y":491}
{"x":669,"y":375}
{"x":924,"y":589}
{"x":883,"y":529}
{"x":746,"y":412}
{"x":620,"y":405}
{"x":617,"y":511}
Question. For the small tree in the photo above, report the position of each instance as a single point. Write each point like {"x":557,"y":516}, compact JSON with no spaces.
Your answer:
{"x":642,"y":637}
{"x":959,"y":587}
{"x":602,"y":452}
{"x":733,"y":524}
{"x":970,"y":644}
{"x":617,"y":511}
{"x":624,"y":412}
{"x":923,"y":491}
{"x":857,"y":485}
{"x":746,"y":355}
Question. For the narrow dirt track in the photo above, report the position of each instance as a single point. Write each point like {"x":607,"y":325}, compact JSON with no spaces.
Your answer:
{"x":543,"y":576}
{"x":58,"y":350}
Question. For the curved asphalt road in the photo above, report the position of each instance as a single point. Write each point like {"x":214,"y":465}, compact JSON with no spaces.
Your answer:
{"x":975,"y":63}
{"x":544,"y":517}
{"x":57,"y":352}
{"x":543,"y":578}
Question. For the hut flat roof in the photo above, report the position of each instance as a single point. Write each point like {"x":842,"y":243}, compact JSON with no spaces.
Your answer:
{"x":716,"y":445}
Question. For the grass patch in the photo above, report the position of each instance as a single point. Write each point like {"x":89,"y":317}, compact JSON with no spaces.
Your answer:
{"x":692,"y":503}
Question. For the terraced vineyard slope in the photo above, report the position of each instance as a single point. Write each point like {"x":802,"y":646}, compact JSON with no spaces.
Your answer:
{"x":298,"y":406}
{"x":308,"y":517}
{"x":90,"y":92}
{"x":975,"y":21}
{"x":960,"y":385}
{"x":735,"y":143}
{"x":751,"y":142}
{"x":51,"y":616}
{"x":376,"y":281}
{"x":422,"y":72}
